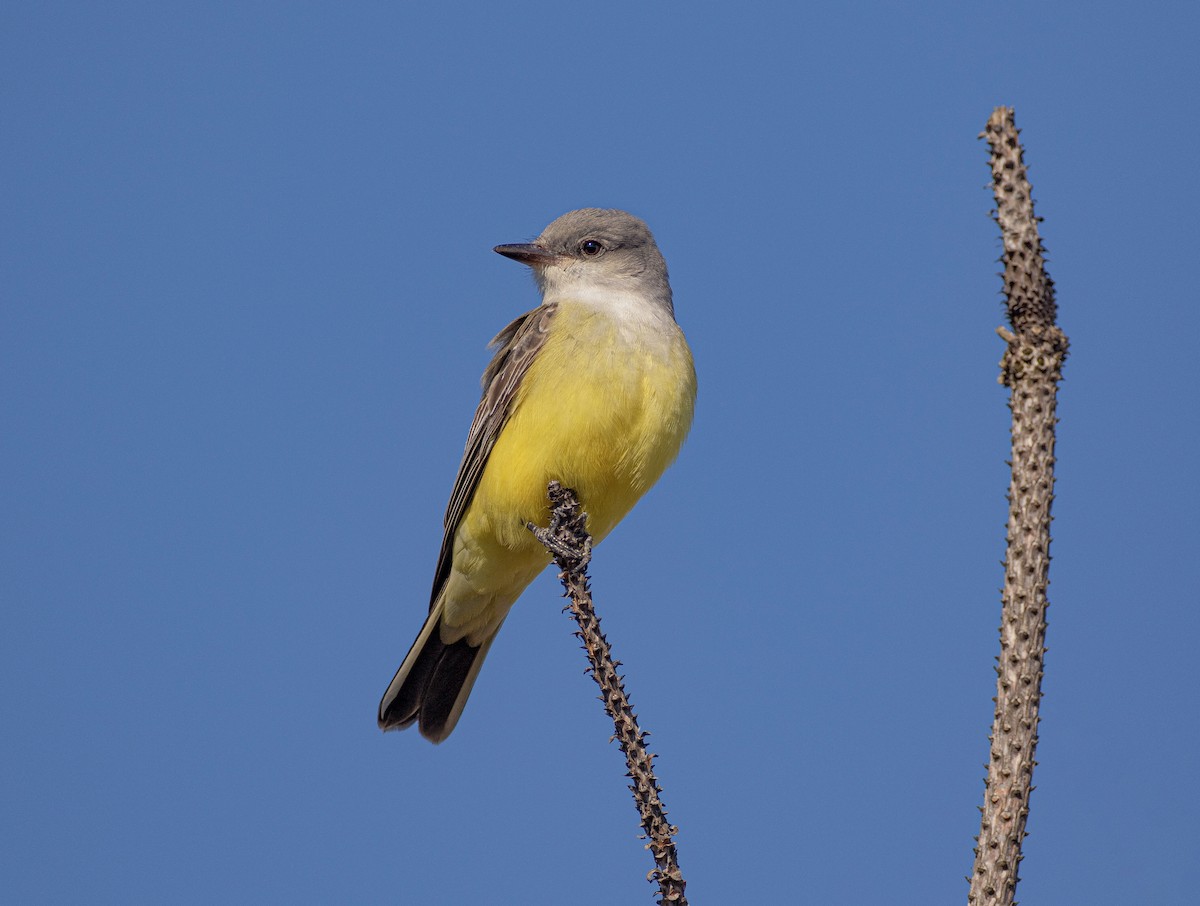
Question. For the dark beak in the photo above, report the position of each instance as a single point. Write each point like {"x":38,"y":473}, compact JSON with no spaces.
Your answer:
{"x":527,"y":253}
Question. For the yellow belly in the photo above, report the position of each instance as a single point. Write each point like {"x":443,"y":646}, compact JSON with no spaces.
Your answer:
{"x":603,"y":409}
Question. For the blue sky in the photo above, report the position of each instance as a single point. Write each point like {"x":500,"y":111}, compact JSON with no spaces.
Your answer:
{"x":247,"y":283}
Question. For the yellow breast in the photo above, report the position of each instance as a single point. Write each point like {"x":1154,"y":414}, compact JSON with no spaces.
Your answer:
{"x":604,"y":409}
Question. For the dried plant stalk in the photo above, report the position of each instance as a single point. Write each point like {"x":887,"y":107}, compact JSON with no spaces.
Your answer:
{"x":1031,"y":368}
{"x":570,"y":544}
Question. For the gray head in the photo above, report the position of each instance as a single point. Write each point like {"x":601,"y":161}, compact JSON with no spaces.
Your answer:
{"x":594,"y":251}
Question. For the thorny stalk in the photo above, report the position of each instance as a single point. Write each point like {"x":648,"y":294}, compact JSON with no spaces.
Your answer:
{"x":1031,"y":368}
{"x":570,"y":544}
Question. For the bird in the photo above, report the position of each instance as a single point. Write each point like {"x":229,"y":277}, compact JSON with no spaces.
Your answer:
{"x":595,"y":388}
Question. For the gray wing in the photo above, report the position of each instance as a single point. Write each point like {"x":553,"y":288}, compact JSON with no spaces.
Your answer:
{"x":516,"y":347}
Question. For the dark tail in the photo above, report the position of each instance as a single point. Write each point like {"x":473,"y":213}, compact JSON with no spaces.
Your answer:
{"x":432,"y":685}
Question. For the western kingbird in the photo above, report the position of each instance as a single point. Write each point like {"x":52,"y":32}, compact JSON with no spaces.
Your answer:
{"x":594,"y":388}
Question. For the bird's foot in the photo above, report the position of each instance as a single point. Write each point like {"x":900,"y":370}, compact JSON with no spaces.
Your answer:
{"x":566,"y":537}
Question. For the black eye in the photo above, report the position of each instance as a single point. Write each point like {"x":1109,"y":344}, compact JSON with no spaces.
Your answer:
{"x":591,"y":247}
